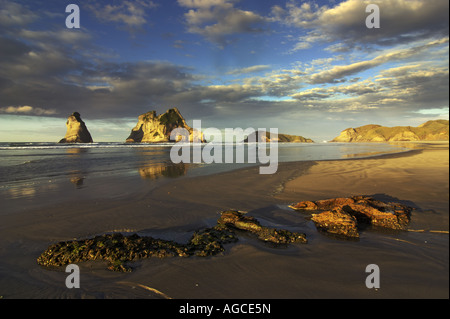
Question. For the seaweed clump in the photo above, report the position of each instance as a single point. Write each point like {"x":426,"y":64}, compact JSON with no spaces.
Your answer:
{"x":118,"y":249}
{"x":114,"y":248}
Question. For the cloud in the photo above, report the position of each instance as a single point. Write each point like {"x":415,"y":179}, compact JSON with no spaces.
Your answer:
{"x":179,"y":44}
{"x":305,"y":15}
{"x":14,"y":15}
{"x":407,"y":89}
{"x":132,"y":15}
{"x":60,"y":71}
{"x":419,"y":86}
{"x":402,"y":21}
{"x":340,"y":71}
{"x":217,"y":20}
{"x":62,"y":36}
{"x":26,"y":110}
{"x":55,"y":72}
{"x":250,"y":69}
{"x":60,"y":83}
{"x":339,"y":92}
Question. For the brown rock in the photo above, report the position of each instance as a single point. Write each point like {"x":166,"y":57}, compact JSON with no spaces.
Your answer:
{"x":335,"y":202}
{"x":240,"y":221}
{"x":325,"y":204}
{"x":337,"y":222}
{"x":305,"y":205}
{"x":392,"y":215}
{"x":362,"y":209}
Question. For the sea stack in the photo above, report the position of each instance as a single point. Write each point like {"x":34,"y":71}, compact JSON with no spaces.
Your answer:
{"x":156,"y":129}
{"x":77,"y":131}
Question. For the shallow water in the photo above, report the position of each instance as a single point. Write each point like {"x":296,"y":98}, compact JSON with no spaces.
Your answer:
{"x":30,"y":162}
{"x":34,"y":174}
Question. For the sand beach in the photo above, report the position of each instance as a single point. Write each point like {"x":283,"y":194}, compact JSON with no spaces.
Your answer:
{"x":413,"y":263}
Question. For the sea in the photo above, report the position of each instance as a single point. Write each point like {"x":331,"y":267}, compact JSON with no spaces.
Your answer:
{"x":28,"y":170}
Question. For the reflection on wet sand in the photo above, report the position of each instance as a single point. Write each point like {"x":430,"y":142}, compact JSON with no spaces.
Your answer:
{"x":367,"y":154}
{"x":403,"y":146}
{"x":76,"y":177}
{"x":417,"y":145}
{"x":22,"y":192}
{"x":76,"y":151}
{"x":155,"y":171}
{"x":77,"y":181}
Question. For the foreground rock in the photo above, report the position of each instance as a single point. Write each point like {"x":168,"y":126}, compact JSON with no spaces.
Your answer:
{"x":77,"y":131}
{"x":342,"y":216}
{"x":156,"y":129}
{"x":325,"y":204}
{"x":337,"y":222}
{"x":241,"y":221}
{"x":430,"y":131}
{"x":118,"y":249}
{"x":263,"y":136}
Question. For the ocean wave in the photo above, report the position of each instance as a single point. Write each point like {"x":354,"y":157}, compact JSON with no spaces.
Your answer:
{"x":37,"y":146}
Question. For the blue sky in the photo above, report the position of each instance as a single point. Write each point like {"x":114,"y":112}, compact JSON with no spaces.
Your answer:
{"x":309,"y":68}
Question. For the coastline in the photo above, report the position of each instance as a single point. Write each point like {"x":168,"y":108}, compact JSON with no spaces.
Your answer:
{"x":413,"y":264}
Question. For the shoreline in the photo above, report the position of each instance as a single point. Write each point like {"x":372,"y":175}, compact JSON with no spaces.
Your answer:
{"x":413,"y":264}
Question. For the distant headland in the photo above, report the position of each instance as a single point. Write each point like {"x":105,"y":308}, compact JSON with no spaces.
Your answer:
{"x":264,"y":136}
{"x":437,"y":130}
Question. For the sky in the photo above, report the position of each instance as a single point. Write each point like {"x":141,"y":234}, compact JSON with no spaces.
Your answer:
{"x":309,"y":68}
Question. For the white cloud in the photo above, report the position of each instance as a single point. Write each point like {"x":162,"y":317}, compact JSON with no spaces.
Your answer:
{"x":13,"y":14}
{"x":250,"y":69}
{"x":201,"y":3}
{"x":217,"y":19}
{"x":402,"y":21}
{"x":340,"y":71}
{"x":131,"y":14}
{"x":26,"y":110}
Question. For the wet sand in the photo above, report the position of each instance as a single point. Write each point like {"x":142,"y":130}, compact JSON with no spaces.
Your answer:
{"x":412,"y":264}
